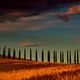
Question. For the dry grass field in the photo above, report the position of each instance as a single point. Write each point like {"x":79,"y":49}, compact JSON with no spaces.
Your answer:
{"x":31,"y":70}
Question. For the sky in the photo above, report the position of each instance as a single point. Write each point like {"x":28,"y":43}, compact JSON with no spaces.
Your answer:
{"x":40,"y":24}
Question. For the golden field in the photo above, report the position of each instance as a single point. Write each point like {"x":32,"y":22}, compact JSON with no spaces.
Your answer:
{"x":31,"y":70}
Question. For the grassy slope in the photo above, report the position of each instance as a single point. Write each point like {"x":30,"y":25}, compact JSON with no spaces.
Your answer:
{"x":27,"y":70}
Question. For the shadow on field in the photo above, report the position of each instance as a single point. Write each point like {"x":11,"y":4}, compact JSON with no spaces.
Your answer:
{"x":9,"y":66}
{"x":69,"y":75}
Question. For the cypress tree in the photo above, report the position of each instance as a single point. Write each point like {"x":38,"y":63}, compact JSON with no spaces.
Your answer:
{"x":24,"y":54}
{"x":30,"y":54}
{"x":70,"y":56}
{"x":14,"y":53}
{"x":42,"y":55}
{"x":19,"y":54}
{"x":4,"y":51}
{"x":0,"y":50}
{"x":36,"y":56}
{"x":74,"y":57}
{"x":48,"y":56}
{"x":67,"y":57}
{"x":9,"y":52}
{"x":77,"y":56}
{"x":56,"y":56}
{"x":60,"y":56}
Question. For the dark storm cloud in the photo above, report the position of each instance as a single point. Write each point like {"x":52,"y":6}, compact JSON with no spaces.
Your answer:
{"x":31,"y":4}
{"x":12,"y":10}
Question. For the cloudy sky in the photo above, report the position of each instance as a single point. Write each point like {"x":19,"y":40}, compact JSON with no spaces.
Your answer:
{"x":48,"y":24}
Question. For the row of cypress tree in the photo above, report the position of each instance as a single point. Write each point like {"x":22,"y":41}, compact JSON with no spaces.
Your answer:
{"x":76,"y":55}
